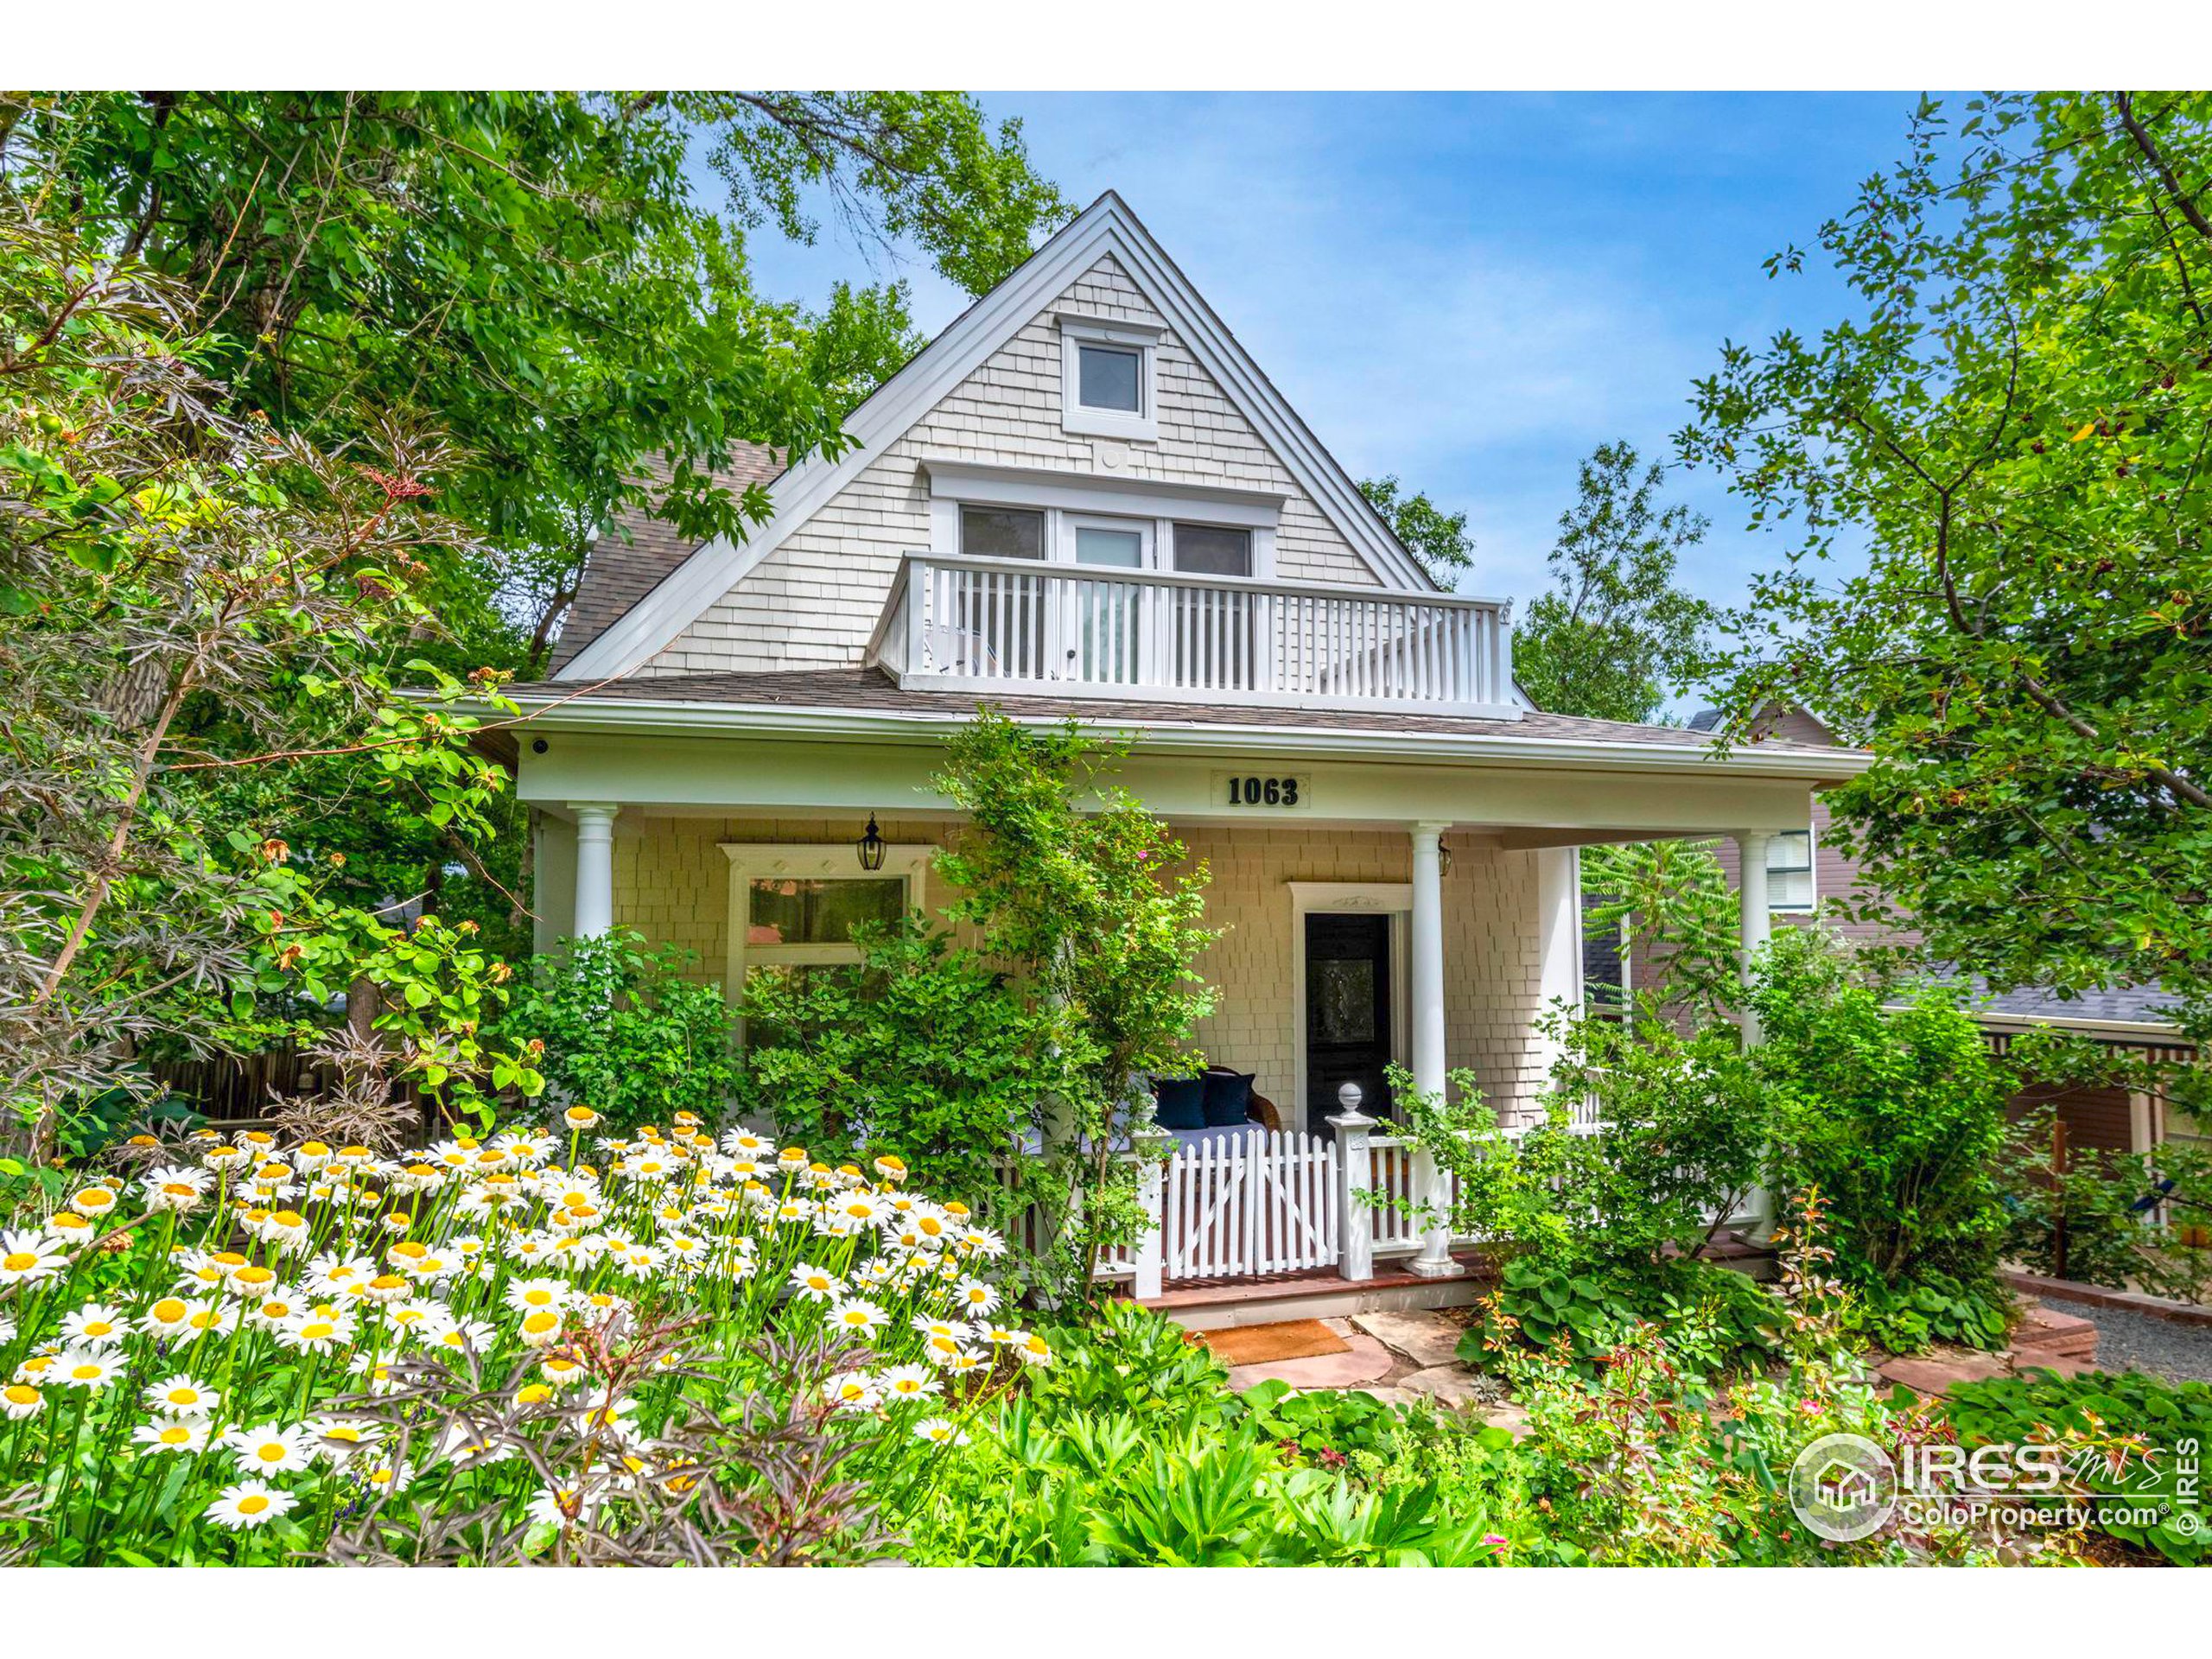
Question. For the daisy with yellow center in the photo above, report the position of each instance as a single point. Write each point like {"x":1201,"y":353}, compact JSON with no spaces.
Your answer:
{"x":27,"y":1257}
{"x":95,"y":1325}
{"x":939,"y":1431}
{"x":249,"y":1503}
{"x":170,"y":1434}
{"x":93,"y":1201}
{"x":271,"y":1449}
{"x":183,"y":1396}
{"x":22,"y":1399}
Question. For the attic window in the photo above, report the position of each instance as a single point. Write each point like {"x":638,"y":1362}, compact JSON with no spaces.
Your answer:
{"x":1107,"y":377}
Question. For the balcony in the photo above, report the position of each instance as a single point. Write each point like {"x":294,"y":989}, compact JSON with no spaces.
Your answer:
{"x":1016,"y":625}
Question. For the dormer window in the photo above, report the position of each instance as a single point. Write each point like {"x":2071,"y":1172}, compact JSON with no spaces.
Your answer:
{"x":1107,"y":377}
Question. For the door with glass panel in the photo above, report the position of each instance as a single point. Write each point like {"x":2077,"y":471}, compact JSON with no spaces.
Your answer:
{"x":995,"y":623}
{"x":1101,"y":622}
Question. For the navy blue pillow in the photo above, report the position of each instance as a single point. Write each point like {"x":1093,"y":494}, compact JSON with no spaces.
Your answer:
{"x":1181,"y":1102}
{"x":1227,"y":1099}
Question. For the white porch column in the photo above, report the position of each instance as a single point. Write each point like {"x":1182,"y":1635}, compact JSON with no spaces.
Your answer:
{"x":595,"y":911}
{"x":1754,"y":926}
{"x":1559,"y":941}
{"x":1424,"y":997}
{"x":1755,"y":923}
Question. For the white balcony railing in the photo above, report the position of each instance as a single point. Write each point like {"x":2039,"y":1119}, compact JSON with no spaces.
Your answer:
{"x":1081,"y":630}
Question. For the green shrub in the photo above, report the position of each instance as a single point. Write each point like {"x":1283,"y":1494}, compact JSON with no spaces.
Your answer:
{"x":1895,"y":1115}
{"x":1716,"y":1320}
{"x":920,"y":1047}
{"x":2040,"y":1407}
{"x":1125,"y":1360}
{"x":626,"y":1032}
{"x":1036,"y":1489}
{"x":1325,"y":1426}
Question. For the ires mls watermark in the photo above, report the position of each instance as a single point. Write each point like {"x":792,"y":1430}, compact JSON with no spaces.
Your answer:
{"x":1845,"y":1488}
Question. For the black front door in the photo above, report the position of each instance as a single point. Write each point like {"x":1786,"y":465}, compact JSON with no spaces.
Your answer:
{"x":1347,"y":1012}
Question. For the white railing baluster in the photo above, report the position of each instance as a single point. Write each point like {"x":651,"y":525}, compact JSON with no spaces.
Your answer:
{"x":984,"y":624}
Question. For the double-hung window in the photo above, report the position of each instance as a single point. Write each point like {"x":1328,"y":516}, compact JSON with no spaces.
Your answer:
{"x":1790,"y":870}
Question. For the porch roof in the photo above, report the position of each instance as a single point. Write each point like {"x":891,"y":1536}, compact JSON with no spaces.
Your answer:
{"x":859,"y":701}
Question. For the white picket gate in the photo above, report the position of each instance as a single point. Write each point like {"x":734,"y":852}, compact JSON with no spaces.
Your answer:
{"x":1259,"y":1204}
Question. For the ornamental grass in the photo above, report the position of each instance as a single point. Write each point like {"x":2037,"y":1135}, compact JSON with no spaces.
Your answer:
{"x":514,"y":1348}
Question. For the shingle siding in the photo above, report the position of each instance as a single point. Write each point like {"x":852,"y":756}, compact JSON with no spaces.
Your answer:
{"x":814,"y":600}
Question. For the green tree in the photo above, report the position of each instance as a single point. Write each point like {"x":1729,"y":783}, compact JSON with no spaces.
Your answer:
{"x":1438,"y":540}
{"x":529,"y":273}
{"x":185,"y":599}
{"x":1992,"y":476}
{"x":1614,"y":636}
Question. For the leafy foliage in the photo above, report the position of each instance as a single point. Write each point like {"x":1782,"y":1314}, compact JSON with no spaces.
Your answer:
{"x":1716,"y":1320}
{"x":1073,"y":889}
{"x":920,"y":1047}
{"x":625,"y":1030}
{"x":1615,"y":636}
{"x":1438,"y":540}
{"x":186,"y":600}
{"x":530,"y":271}
{"x":1673,"y":905}
{"x":2011,"y":432}
{"x":1895,"y":1115}
{"x":2155,"y":1418}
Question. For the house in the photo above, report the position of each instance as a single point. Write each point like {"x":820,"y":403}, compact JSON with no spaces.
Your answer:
{"x":1084,"y":500}
{"x":1810,"y":872}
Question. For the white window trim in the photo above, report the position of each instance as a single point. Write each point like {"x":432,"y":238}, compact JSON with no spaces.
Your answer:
{"x":1812,"y":874}
{"x":907,"y":862}
{"x":1141,"y":426}
{"x":1062,"y":497}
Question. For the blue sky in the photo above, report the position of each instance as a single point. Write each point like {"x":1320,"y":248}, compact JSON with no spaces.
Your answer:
{"x":1470,"y":291}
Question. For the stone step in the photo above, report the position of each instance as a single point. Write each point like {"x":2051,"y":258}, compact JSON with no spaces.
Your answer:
{"x":2045,"y":1330}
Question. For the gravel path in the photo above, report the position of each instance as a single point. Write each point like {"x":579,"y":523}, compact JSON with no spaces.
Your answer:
{"x":2138,"y":1341}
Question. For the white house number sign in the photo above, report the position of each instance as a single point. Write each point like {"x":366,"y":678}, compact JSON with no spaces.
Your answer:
{"x":1261,"y":789}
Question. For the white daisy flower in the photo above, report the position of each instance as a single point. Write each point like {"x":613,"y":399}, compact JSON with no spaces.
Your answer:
{"x":20,"y":1399}
{"x":27,"y":1257}
{"x":171,"y":1434}
{"x":939,"y":1431}
{"x":248,"y":1504}
{"x":96,"y":1324}
{"x":182,"y":1397}
{"x":858,"y":1317}
{"x":271,"y":1449}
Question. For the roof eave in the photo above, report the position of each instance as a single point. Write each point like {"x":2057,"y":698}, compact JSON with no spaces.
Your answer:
{"x":672,"y":718}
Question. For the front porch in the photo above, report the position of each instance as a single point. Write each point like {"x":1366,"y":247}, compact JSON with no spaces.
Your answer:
{"x":1402,"y":894}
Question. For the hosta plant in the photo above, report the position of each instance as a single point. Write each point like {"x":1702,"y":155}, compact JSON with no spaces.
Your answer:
{"x":534,"y":1346}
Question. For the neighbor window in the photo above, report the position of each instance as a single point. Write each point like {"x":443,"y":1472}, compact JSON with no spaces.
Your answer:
{"x":1211,"y":551}
{"x":1790,"y":870}
{"x":1001,"y":533}
{"x":1107,"y":377}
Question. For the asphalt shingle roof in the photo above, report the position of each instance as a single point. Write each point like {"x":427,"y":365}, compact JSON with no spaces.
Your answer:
{"x":872,"y":689}
{"x":638,"y":552}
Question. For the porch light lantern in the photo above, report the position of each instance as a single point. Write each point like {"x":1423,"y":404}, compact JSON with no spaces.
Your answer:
{"x":872,"y":846}
{"x":1443,"y":862}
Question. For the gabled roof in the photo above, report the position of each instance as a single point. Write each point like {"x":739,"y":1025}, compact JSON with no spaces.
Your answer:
{"x":1107,"y":226}
{"x":639,"y":551}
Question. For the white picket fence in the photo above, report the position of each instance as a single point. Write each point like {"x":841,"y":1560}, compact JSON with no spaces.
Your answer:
{"x":1270,"y":1202}
{"x":1261,"y":1203}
